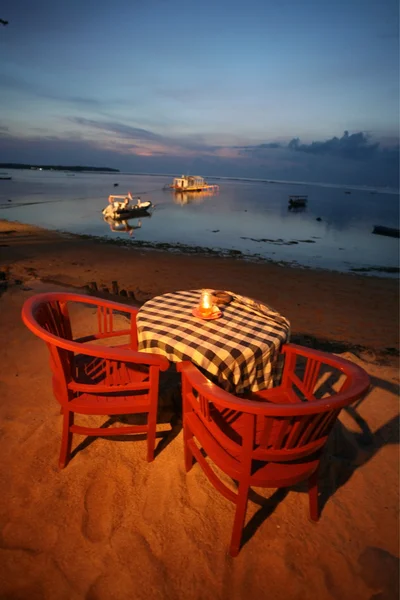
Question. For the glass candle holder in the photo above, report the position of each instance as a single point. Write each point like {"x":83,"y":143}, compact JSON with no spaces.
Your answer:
{"x":206,"y":304}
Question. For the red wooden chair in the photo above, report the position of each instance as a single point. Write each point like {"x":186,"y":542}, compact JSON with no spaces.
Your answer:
{"x":272,"y":438}
{"x":91,"y":378}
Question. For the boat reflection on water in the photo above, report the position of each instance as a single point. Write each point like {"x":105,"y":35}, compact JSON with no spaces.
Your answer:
{"x":124,"y":226}
{"x":297,"y":209}
{"x":193,"y":197}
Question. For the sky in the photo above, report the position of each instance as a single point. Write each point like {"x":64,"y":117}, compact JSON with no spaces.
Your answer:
{"x":302,"y":90}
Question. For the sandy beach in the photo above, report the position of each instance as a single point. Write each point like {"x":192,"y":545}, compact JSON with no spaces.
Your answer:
{"x":111,"y":525}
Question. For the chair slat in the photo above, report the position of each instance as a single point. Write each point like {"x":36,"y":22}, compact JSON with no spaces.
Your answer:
{"x":301,"y":386}
{"x":311,"y":374}
{"x":298,"y":426}
{"x":266,"y":431}
{"x":314,"y":424}
{"x":204,"y":407}
{"x":282,"y":431}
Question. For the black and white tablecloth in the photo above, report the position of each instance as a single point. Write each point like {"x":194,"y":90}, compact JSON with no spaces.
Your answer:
{"x":238,"y":351}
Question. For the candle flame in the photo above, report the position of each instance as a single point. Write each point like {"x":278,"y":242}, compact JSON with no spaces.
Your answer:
{"x":206,"y":304}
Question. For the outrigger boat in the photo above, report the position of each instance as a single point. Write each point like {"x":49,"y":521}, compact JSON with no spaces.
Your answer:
{"x":298,"y":201}
{"x":389,"y":231}
{"x":190,"y":183}
{"x":122,"y":210}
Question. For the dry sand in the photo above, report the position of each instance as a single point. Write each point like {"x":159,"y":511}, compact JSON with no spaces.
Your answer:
{"x":111,"y":525}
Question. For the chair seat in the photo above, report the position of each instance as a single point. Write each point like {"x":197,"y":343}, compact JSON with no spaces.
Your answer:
{"x":277,"y":395}
{"x":91,"y":404}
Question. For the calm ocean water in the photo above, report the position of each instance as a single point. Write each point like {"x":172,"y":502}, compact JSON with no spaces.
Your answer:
{"x":333,"y":232}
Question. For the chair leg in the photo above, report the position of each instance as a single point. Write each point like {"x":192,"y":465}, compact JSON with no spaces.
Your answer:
{"x":151,"y":435}
{"x":66,"y":440}
{"x":313,"y":496}
{"x":187,"y":435}
{"x":240,"y":515}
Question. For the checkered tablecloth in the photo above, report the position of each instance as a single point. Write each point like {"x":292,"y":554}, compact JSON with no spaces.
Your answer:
{"x":238,"y":351}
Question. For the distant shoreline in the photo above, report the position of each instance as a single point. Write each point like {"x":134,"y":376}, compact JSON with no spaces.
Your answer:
{"x":77,"y":169}
{"x":372,"y":189}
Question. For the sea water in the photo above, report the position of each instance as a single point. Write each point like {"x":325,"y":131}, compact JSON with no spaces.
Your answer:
{"x":245,"y":218}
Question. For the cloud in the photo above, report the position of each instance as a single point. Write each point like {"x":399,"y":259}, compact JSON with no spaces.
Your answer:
{"x":153,"y":143}
{"x":258,"y":150}
{"x":271,"y":160}
{"x":272,"y":145}
{"x":125,"y":131}
{"x":354,"y":146}
{"x":80,"y":101}
{"x":35,"y":88}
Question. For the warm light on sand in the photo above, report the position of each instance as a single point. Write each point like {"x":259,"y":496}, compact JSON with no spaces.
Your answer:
{"x":122,"y":527}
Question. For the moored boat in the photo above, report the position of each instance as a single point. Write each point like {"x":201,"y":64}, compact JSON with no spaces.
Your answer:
{"x":297,"y":201}
{"x":190,"y":183}
{"x":121,"y":210}
{"x":389,"y":231}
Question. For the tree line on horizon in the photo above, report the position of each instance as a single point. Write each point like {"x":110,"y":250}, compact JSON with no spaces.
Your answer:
{"x":56,"y":167}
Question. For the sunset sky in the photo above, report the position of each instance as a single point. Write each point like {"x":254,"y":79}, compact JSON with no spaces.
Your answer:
{"x":254,"y":88}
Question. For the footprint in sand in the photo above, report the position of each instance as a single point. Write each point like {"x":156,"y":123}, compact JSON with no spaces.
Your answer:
{"x":104,"y":505}
{"x":380,"y":571}
{"x":156,"y":491}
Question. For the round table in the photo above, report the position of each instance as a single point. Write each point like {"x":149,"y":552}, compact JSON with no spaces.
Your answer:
{"x":238,"y":351}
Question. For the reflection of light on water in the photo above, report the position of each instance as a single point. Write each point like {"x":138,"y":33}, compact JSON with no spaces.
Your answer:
{"x":193,"y":197}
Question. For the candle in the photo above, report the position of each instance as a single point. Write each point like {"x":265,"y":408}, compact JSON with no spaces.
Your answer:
{"x":206,"y":304}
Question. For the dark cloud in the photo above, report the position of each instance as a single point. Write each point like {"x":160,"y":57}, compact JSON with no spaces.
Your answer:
{"x":268,"y":145}
{"x":125,"y":131}
{"x":79,"y":101}
{"x":192,"y":142}
{"x":16,"y":83}
{"x":355,"y":146}
{"x":272,"y":145}
{"x":19,"y":84}
{"x":257,"y":150}
{"x":52,"y":150}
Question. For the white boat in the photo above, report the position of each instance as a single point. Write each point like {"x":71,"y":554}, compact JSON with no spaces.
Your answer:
{"x":120,"y":210}
{"x":190,"y":183}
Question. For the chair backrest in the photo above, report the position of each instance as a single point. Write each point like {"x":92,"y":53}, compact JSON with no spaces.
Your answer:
{"x":48,"y":317}
{"x":287,"y":423}
{"x":49,"y":313}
